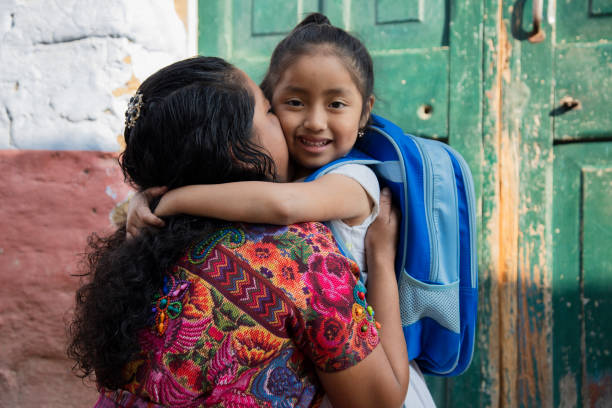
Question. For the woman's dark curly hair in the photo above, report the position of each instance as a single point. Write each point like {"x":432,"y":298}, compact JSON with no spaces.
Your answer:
{"x":195,"y":127}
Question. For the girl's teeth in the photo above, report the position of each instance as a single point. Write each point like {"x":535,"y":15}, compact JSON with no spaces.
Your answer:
{"x":317,"y":144}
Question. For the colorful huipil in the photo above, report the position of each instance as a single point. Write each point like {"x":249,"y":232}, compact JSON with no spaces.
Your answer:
{"x":244,"y":318}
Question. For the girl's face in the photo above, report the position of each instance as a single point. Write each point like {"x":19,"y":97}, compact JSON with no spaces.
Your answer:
{"x":320,"y":110}
{"x":268,"y":131}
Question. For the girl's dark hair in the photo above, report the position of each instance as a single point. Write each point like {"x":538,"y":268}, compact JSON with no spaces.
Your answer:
{"x":315,"y":34}
{"x":195,"y":126}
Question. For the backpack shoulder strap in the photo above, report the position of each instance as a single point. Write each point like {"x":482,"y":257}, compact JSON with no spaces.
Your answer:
{"x":355,"y":156}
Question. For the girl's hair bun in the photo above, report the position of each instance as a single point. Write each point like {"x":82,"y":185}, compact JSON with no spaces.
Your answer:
{"x":314,"y":18}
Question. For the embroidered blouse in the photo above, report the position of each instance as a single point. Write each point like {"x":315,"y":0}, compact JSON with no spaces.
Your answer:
{"x":244,"y":318}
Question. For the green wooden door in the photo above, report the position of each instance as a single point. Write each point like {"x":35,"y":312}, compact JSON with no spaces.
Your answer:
{"x":428,"y":67}
{"x":583,"y":274}
{"x":408,"y":39}
{"x":546,"y":134}
{"x":582,"y":218}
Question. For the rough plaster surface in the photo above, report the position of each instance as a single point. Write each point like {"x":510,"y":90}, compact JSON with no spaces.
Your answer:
{"x":51,"y":201}
{"x":69,"y":67}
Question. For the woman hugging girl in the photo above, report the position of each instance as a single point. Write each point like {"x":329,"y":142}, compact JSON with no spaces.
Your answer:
{"x":320,"y":86}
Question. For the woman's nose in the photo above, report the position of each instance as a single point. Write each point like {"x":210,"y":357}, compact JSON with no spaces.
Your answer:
{"x":316,"y":119}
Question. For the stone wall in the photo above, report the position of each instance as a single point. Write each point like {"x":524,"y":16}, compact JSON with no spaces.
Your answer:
{"x":68,"y":69}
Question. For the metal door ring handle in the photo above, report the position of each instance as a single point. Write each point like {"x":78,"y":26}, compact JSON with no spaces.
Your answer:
{"x":537,"y":34}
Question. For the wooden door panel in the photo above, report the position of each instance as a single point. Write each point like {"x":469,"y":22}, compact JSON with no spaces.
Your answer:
{"x":257,"y":26}
{"x":597,"y":280}
{"x":582,"y":283}
{"x":412,"y":90}
{"x":584,"y":74}
{"x":385,"y":25}
{"x":408,"y":40}
{"x":583,"y":20}
{"x":601,"y":8}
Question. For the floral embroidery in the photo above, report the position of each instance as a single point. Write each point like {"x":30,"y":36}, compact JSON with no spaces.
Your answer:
{"x":168,"y":305}
{"x":330,"y":275}
{"x":245,"y":316}
{"x":358,"y":312}
{"x":254,"y":346}
{"x":331,"y":334}
{"x":277,"y":382}
{"x":359,"y":294}
{"x":368,"y":332}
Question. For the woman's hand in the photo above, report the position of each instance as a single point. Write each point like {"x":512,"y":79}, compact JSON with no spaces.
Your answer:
{"x":139,"y":214}
{"x":382,"y":235}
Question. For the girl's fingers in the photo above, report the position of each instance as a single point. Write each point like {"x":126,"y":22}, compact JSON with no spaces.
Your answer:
{"x":153,"y":220}
{"x":129,"y":234}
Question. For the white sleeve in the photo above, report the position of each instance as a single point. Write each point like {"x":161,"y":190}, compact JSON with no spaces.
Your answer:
{"x":367,"y":178}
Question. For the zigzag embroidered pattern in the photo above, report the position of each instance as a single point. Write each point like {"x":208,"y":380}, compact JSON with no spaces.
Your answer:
{"x":244,"y":288}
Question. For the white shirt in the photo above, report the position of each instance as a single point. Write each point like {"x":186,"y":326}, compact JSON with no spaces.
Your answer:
{"x":354,"y":236}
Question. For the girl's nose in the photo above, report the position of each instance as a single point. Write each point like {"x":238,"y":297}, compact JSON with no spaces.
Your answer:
{"x":316,"y":119}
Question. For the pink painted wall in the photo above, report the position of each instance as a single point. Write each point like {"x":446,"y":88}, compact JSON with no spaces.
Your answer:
{"x":50,"y":201}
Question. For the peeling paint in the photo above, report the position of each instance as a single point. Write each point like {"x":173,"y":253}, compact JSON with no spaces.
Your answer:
{"x":568,"y":391}
{"x":109,"y":192}
{"x":121,"y":142}
{"x":181,"y":8}
{"x":129,"y":89}
{"x":600,"y":392}
{"x":508,"y":227}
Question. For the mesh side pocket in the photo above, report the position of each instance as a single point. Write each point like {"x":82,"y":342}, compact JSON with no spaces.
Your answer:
{"x":438,"y":302}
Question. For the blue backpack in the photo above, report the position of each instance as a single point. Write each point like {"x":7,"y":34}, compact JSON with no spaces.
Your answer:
{"x":436,"y":263}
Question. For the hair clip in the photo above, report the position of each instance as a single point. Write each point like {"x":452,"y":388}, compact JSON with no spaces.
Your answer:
{"x":133,"y":110}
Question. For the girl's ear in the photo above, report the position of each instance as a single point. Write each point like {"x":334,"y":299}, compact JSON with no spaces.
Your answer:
{"x":366,"y":112}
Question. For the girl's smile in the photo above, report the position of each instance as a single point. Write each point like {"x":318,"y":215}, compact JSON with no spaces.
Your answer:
{"x":320,"y":110}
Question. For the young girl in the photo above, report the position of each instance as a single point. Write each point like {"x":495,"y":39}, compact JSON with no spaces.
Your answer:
{"x":320,"y":83}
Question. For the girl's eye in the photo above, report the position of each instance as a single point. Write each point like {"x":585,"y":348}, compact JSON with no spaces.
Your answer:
{"x":337,"y":105}
{"x":294,"y":102}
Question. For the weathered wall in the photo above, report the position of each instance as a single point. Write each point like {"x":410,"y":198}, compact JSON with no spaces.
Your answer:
{"x":51,"y":201}
{"x":68,"y":69}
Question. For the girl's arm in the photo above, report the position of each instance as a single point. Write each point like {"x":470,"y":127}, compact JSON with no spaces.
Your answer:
{"x":381,"y":379}
{"x":330,"y":197}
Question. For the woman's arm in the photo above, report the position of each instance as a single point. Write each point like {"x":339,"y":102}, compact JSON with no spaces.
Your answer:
{"x":381,"y":379}
{"x":330,"y":197}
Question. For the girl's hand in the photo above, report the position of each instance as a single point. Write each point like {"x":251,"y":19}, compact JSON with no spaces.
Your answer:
{"x":381,"y":238}
{"x":139,"y":214}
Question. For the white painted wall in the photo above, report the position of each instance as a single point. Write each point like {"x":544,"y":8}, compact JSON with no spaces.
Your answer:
{"x":68,"y":67}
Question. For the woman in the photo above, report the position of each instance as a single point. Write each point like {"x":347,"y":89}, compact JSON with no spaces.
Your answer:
{"x":205,"y":313}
